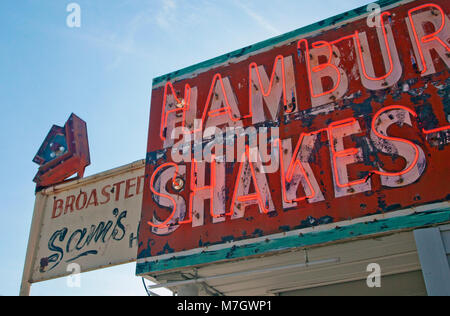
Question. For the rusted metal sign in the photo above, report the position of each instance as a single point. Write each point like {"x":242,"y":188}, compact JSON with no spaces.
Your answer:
{"x":91,"y":222}
{"x":64,"y":152}
{"x":343,"y":119}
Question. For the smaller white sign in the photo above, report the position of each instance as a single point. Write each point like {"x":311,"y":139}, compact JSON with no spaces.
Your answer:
{"x":92,"y":222}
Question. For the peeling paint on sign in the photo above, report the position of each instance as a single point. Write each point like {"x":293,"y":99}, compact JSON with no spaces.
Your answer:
{"x":304,"y":130}
{"x":92,"y":222}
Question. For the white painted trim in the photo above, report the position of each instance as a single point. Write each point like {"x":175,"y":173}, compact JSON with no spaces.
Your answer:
{"x":319,"y":228}
{"x":35,"y":230}
{"x":94,"y":178}
{"x":244,"y":273}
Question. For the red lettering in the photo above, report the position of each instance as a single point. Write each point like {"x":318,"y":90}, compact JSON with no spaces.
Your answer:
{"x":139,"y":185}
{"x":128,"y":186}
{"x":57,"y":205}
{"x":105,"y":193}
{"x":93,"y":198}
{"x":69,"y":203}
{"x":117,"y":189}
{"x":85,"y":198}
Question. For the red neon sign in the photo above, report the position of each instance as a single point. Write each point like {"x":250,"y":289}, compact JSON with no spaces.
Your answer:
{"x":249,"y":197}
{"x":429,"y":37}
{"x":391,"y":63}
{"x":184,"y":108}
{"x":253,"y":65}
{"x":154,"y":191}
{"x":353,"y":153}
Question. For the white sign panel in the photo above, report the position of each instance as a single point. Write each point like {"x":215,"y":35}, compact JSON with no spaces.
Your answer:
{"x":92,"y":222}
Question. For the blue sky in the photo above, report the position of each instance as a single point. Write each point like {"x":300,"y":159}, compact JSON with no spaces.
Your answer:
{"x":102,"y":72}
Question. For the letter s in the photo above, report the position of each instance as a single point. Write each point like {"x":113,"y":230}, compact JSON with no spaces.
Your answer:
{"x":165,"y":200}
{"x":119,"y":225}
{"x":56,"y":257}
{"x":413,"y":154}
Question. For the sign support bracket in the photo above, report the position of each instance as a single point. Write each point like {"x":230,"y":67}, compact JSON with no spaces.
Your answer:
{"x":33,"y":238}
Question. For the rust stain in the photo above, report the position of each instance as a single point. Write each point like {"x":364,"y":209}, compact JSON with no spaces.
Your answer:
{"x":427,"y":96}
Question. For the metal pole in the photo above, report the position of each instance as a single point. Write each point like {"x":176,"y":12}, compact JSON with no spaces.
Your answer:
{"x":243,"y":273}
{"x":32,"y":243}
